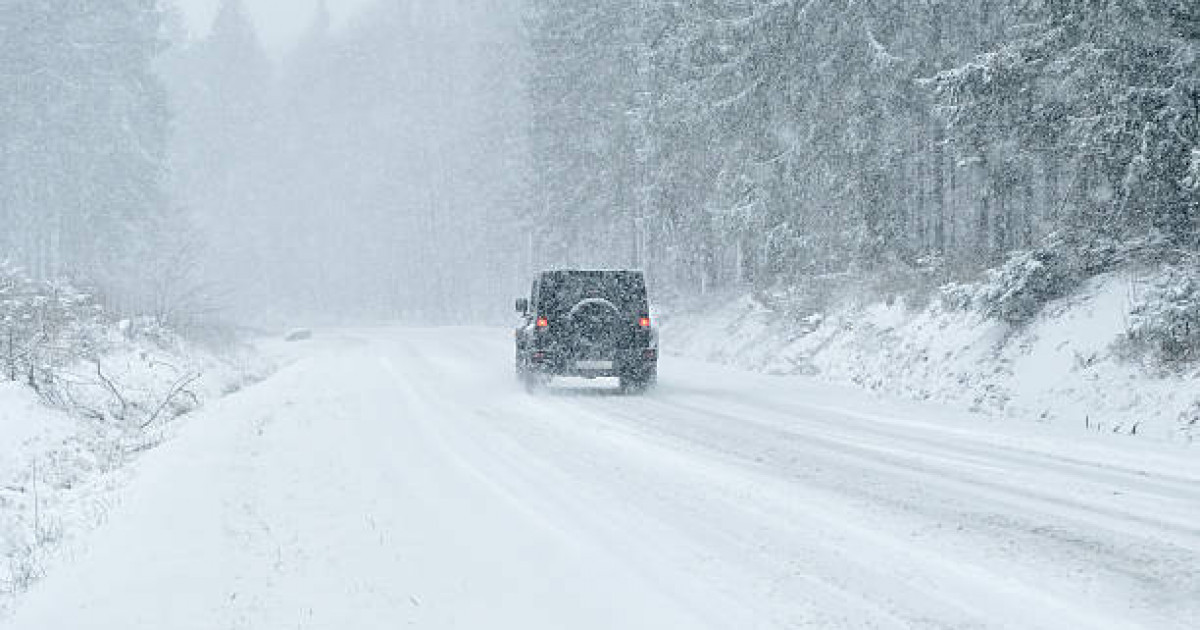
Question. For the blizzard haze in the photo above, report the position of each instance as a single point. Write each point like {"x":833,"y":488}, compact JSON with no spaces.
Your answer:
{"x":373,"y":171}
{"x":280,"y":23}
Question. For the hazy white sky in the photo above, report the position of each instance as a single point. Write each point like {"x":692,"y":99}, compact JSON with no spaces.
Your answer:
{"x":279,"y":22}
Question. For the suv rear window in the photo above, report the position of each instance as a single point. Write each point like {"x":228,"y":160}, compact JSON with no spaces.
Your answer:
{"x":561,"y":290}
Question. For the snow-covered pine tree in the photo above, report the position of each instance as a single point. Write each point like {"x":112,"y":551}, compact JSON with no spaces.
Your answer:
{"x":82,"y":141}
{"x":584,"y":91}
{"x":221,"y":150}
{"x":796,"y":140}
{"x":1101,"y":98}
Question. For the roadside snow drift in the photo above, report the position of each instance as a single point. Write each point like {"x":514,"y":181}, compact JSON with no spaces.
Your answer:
{"x":1067,"y":366}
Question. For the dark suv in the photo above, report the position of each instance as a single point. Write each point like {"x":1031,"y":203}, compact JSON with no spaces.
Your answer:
{"x":590,"y":324}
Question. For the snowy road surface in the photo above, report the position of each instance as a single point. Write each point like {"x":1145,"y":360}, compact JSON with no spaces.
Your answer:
{"x":398,"y":478}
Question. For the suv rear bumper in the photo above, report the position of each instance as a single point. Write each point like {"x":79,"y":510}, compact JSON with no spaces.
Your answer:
{"x":634,"y":362}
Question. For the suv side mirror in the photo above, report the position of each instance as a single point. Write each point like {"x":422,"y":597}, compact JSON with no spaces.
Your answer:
{"x":523,"y":305}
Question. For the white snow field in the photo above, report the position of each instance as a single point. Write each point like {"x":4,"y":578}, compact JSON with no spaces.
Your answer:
{"x":393,"y":478}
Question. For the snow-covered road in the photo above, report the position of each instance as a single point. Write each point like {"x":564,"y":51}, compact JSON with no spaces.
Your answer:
{"x":400,"y":478}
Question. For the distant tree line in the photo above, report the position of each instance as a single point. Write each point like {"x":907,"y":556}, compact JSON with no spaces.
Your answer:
{"x":422,"y":160}
{"x":83,"y":144}
{"x":375,"y":171}
{"x":768,"y":142}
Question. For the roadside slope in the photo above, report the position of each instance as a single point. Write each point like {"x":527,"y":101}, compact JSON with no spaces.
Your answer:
{"x":1066,"y":366}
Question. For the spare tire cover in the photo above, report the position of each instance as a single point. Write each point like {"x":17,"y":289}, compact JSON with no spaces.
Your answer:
{"x":594,"y":324}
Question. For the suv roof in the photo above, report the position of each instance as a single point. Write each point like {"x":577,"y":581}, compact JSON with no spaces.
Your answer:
{"x":557,"y":291}
{"x":591,"y":271}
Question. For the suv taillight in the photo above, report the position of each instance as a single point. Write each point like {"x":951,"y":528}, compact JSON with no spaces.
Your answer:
{"x":543,"y":322}
{"x":644,"y":322}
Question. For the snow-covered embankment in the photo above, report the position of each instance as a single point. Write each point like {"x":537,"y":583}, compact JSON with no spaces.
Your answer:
{"x":1069,"y":365}
{"x":66,"y":443}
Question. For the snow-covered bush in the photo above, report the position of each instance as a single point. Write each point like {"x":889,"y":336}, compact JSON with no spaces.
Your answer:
{"x":61,"y":342}
{"x":44,"y":327}
{"x":82,"y":393}
{"x":1165,"y":319}
{"x":1164,"y":315}
{"x":1017,"y":290}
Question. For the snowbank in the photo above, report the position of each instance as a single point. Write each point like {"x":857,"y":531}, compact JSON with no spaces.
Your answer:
{"x":1068,"y":365}
{"x":65,"y":448}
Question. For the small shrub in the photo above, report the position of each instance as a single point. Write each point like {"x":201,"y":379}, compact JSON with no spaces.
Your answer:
{"x":24,"y":568}
{"x":1017,"y":290}
{"x":44,"y":326}
{"x":1165,"y":319}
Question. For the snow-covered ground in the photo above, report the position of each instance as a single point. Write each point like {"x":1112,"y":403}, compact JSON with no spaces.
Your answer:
{"x":395,"y":478}
{"x":61,"y":465}
{"x":1068,"y":366}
